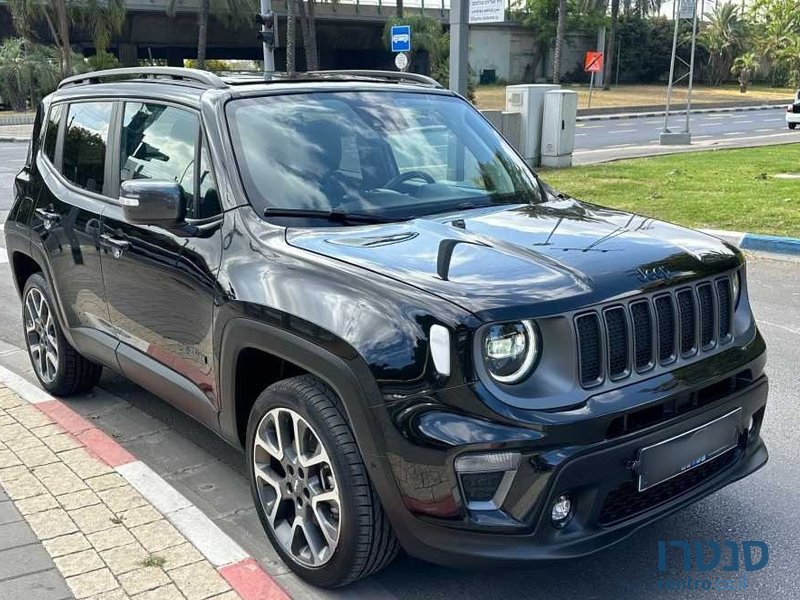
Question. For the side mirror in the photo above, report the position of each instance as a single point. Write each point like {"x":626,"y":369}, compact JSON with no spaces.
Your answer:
{"x":152,"y":202}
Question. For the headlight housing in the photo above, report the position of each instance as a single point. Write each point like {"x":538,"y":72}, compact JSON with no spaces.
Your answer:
{"x":736,"y":288}
{"x":510,"y":350}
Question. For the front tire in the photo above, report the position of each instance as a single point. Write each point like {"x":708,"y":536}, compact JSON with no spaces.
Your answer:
{"x":792,"y":125}
{"x":58,"y":366}
{"x":311,"y":488}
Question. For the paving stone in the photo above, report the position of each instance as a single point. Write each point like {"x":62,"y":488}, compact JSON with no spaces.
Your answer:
{"x":168,"y":592}
{"x":179,"y":556}
{"x":122,"y":499}
{"x":59,"y":479}
{"x":79,"y":562}
{"x":37,"y":456}
{"x":36,"y":504}
{"x":67,"y":544}
{"x":9,"y":432}
{"x":93,"y":518}
{"x":8,"y":459}
{"x":157,"y":535}
{"x":124,"y":559}
{"x":9,"y":400}
{"x":79,"y":499}
{"x":26,"y":486}
{"x":143,"y":579}
{"x":84,"y":464}
{"x":24,"y":442}
{"x":48,"y":585}
{"x":13,"y":535}
{"x":6,"y":420}
{"x":11,"y":473}
{"x":61,"y":442}
{"x":8,"y":514}
{"x":106,"y":482}
{"x":51,"y":523}
{"x":199,"y":581}
{"x":28,"y":416}
{"x":23,"y":560}
{"x":46,"y":431}
{"x":110,"y":538}
{"x":227,"y":596}
{"x":3,"y":496}
{"x":92,"y":583}
{"x":117,"y":594}
{"x":140,"y":516}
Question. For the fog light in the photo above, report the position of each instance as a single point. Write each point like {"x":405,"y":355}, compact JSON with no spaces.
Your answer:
{"x":561,"y":511}
{"x":486,"y":478}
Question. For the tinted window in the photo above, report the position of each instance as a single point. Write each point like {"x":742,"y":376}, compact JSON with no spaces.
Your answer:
{"x":206,"y":203}
{"x":51,"y":131}
{"x":159,"y":142}
{"x":85,"y":144}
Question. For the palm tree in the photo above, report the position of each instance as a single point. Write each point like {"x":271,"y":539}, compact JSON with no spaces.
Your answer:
{"x":612,"y":37}
{"x":309,"y":25}
{"x":291,"y":36}
{"x":231,"y":12}
{"x":28,"y":72}
{"x":724,"y":36}
{"x":102,"y":18}
{"x":744,"y":67}
{"x":560,"y":30}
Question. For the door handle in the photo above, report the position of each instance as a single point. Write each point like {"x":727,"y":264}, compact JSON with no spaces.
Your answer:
{"x":48,"y":217}
{"x":116,"y":245}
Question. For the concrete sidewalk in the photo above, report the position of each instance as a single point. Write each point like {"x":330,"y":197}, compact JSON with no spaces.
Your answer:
{"x":73,"y":526}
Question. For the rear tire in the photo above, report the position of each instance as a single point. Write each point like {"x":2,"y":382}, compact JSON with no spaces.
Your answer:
{"x":58,"y":366}
{"x":792,"y":125}
{"x":333,"y":497}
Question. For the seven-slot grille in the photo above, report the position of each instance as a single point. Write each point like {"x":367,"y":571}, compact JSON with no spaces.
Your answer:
{"x":636,"y":336}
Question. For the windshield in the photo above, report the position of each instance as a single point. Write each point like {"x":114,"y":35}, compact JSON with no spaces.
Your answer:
{"x":392,"y":154}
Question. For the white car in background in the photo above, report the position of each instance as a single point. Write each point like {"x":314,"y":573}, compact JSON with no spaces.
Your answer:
{"x":793,"y":112}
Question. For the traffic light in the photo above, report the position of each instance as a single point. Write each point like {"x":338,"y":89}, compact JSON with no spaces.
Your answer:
{"x":267,"y":34}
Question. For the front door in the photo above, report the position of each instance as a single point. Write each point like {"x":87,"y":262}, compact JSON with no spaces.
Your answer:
{"x":66,"y":220}
{"x":160,"y":284}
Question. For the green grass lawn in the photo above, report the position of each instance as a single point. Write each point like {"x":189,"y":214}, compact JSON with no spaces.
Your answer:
{"x":725,"y":189}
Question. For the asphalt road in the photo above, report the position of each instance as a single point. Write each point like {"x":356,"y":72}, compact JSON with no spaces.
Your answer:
{"x":761,"y":507}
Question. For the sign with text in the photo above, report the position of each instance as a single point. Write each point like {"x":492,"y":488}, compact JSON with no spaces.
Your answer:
{"x":487,"y":11}
{"x":401,"y":38}
{"x":594,"y":62}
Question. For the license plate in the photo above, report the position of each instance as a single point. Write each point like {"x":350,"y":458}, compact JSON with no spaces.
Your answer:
{"x":687,"y":451}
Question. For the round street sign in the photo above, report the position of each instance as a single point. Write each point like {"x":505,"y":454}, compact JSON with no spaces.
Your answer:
{"x":401,"y":61}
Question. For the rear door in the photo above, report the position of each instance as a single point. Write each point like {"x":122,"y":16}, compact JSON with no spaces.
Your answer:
{"x":160,"y":283}
{"x":66,"y":220}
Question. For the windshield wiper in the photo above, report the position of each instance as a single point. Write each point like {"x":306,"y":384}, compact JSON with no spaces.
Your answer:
{"x":335,"y":216}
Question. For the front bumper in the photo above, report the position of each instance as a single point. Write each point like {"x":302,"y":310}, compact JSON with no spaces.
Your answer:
{"x":599,"y":476}
{"x":792,"y":117}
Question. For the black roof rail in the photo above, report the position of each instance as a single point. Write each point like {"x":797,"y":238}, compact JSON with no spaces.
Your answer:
{"x":397,"y":76}
{"x":204,"y":78}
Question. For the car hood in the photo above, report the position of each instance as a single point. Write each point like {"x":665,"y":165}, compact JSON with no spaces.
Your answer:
{"x":526,"y":260}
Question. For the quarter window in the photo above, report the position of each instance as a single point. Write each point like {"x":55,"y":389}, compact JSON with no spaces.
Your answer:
{"x":51,"y":131}
{"x":207,"y":202}
{"x":159,"y":142}
{"x":85,"y":144}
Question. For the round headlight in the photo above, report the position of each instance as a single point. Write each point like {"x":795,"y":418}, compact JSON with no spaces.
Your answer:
{"x":510,"y":350}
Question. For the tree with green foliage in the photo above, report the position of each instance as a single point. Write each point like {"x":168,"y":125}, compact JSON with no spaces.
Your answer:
{"x":230,"y":12}
{"x":744,"y":67}
{"x":102,"y":18}
{"x":28,"y":72}
{"x":724,"y":35}
{"x":777,"y":31}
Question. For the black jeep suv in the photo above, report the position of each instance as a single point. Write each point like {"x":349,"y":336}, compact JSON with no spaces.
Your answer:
{"x":418,"y":343}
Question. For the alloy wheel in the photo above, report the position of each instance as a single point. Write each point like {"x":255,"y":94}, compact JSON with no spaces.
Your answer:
{"x":297,"y":487}
{"x":42,"y":338}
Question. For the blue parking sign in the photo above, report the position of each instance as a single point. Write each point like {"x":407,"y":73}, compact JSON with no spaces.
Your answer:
{"x":401,"y":38}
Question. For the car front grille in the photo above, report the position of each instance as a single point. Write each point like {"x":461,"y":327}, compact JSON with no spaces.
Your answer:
{"x":621,"y":339}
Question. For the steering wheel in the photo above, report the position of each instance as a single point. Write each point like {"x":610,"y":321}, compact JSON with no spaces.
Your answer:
{"x":403,"y":177}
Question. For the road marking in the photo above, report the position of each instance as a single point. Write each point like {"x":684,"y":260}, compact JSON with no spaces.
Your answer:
{"x":763,"y":130}
{"x":3,"y":255}
{"x":734,"y":133}
{"x":580,"y":134}
{"x":744,"y":122}
{"x":771,"y":120}
{"x":783,"y":327}
{"x":623,"y":131}
{"x":703,"y":137}
{"x":593,"y":126}
{"x":709,"y":125}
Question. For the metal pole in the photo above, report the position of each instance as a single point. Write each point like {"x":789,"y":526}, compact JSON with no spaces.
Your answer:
{"x":459,"y":46}
{"x":691,"y":69}
{"x":269,"y":50}
{"x":677,"y":20}
{"x":591,"y":89}
{"x":619,"y":57}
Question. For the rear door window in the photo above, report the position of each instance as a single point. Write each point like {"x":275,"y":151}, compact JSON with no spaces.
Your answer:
{"x":85,"y":144}
{"x":51,"y":131}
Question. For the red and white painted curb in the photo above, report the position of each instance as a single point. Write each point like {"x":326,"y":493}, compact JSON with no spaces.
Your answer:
{"x":240,"y":570}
